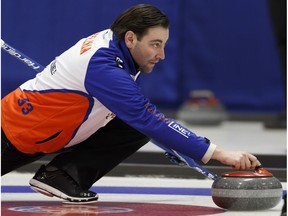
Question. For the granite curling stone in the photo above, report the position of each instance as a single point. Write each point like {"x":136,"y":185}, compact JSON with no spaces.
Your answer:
{"x":247,"y":190}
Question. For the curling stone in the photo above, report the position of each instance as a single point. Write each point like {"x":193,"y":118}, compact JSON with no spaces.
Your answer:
{"x":202,"y":108}
{"x":247,"y":190}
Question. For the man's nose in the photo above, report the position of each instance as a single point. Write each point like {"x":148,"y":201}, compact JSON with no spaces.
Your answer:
{"x":161,"y":54}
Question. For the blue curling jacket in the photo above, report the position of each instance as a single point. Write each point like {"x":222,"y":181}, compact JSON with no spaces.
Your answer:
{"x":82,"y":90}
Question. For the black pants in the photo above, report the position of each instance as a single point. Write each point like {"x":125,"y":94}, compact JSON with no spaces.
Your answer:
{"x":88,"y":161}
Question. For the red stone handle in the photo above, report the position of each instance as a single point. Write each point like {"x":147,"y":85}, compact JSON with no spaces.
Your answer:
{"x":258,"y":172}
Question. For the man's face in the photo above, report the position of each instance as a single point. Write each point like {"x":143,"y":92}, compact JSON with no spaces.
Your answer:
{"x":150,"y":49}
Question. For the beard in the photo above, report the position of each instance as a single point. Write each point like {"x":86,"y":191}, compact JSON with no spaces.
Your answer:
{"x":146,"y":68}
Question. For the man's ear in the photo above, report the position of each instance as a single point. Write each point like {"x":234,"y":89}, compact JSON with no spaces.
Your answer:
{"x":130,"y":39}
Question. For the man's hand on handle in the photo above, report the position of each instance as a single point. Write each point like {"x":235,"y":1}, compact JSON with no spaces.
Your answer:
{"x":237,"y":159}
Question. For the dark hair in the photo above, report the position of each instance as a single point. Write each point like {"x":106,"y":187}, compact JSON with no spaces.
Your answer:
{"x":139,"y":19}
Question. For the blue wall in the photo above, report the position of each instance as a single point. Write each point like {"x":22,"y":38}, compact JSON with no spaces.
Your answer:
{"x":225,"y":46}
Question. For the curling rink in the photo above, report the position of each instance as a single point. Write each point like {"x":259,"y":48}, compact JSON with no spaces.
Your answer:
{"x":122,"y":196}
{"x":150,"y":195}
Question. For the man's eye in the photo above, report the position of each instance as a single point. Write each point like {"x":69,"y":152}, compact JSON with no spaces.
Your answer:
{"x":156,"y":45}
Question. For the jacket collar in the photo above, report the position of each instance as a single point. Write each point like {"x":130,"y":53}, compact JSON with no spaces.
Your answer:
{"x":127,"y":56}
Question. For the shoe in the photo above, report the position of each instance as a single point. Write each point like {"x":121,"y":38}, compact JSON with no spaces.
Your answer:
{"x":60,"y":184}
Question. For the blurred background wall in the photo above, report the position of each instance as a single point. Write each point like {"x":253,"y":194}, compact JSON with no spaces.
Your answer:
{"x":228,"y":47}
